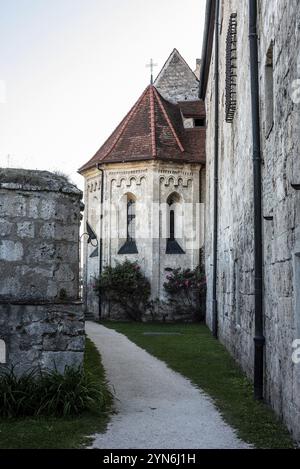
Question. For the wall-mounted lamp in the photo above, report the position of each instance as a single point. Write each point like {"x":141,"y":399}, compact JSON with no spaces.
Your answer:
{"x":269,"y":218}
{"x":296,"y":187}
{"x":91,"y":235}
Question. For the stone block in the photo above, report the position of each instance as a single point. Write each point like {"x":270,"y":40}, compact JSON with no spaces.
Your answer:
{"x":59,"y":361}
{"x":25,"y":229}
{"x":11,"y":251}
{"x":5,"y":227}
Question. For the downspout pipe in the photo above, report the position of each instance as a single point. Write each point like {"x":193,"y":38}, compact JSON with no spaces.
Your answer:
{"x":101,"y":237}
{"x":204,"y":61}
{"x":259,"y":339}
{"x":215,"y":327}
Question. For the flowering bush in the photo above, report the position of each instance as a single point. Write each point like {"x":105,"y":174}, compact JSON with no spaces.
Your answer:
{"x":126,"y":286}
{"x":185,"y":287}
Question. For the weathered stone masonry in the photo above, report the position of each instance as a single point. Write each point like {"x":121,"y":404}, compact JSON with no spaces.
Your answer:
{"x":279,"y":30}
{"x":41,"y":320}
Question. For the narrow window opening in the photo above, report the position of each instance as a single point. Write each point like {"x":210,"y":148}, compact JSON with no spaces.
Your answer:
{"x":2,"y":352}
{"x":130,"y":245}
{"x":131,"y":220}
{"x":172,"y":225}
{"x":173,"y":246}
{"x":269,"y":91}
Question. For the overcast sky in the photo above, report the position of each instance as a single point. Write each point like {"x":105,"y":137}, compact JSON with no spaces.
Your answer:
{"x":71,"y":69}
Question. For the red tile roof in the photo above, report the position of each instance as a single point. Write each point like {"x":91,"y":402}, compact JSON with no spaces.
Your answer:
{"x":192,"y":108}
{"x":153,"y":129}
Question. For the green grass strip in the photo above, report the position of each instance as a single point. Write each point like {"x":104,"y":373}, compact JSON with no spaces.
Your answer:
{"x":198,"y":356}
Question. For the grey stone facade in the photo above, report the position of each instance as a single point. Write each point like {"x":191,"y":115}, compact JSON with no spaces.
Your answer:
{"x":41,"y":320}
{"x":279,"y":28}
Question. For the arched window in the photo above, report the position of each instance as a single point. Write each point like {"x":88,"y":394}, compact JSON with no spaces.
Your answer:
{"x":172,"y":245}
{"x":2,"y":352}
{"x":130,"y":244}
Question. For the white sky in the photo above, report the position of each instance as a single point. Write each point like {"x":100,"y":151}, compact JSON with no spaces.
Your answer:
{"x":71,"y":69}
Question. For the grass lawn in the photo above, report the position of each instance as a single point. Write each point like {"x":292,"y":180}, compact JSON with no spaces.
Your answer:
{"x":51,"y":433}
{"x":198,"y":356}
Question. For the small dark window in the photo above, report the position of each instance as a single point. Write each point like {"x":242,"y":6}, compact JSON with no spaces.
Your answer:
{"x":269,"y":91}
{"x":199,"y":122}
{"x":131,"y":220}
{"x":2,"y":352}
{"x":231,"y":69}
{"x":130,"y":245}
{"x":172,"y":245}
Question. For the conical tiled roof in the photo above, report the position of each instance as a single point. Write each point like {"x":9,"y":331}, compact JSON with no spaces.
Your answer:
{"x":153,"y":129}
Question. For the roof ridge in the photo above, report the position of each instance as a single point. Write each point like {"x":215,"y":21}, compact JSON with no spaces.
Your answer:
{"x":168,"y":121}
{"x":123,"y":127}
{"x":152,"y":121}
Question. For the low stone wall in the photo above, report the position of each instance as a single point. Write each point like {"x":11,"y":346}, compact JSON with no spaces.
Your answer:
{"x":41,"y":320}
{"x":50,"y":336}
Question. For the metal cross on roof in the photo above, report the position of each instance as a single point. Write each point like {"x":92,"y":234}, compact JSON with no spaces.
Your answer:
{"x":151,"y":65}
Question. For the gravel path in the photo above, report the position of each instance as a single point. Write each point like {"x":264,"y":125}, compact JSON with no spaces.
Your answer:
{"x":156,"y":407}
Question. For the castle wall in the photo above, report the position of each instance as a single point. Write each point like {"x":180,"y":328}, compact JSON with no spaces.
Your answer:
{"x":279,"y":22}
{"x":41,"y":321}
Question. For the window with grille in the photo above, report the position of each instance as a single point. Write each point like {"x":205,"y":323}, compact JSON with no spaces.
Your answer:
{"x":130,"y":245}
{"x":231,"y":69}
{"x":131,"y":220}
{"x":172,"y":245}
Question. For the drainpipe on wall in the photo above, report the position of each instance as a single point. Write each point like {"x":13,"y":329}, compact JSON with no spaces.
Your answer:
{"x":216,"y":180}
{"x":259,"y":339}
{"x":101,"y":237}
{"x":85,"y":291}
{"x":201,"y":249}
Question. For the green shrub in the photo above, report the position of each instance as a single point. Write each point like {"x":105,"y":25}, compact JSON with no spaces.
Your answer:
{"x":49,"y":393}
{"x":185,"y":289}
{"x":17,"y":394}
{"x":125,"y":285}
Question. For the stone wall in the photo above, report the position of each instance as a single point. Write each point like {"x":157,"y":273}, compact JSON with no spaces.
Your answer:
{"x":41,"y":319}
{"x":278,"y":23}
{"x":176,"y":81}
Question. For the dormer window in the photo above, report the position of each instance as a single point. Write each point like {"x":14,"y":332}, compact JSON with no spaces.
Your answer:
{"x":191,"y":123}
{"x":199,"y":122}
